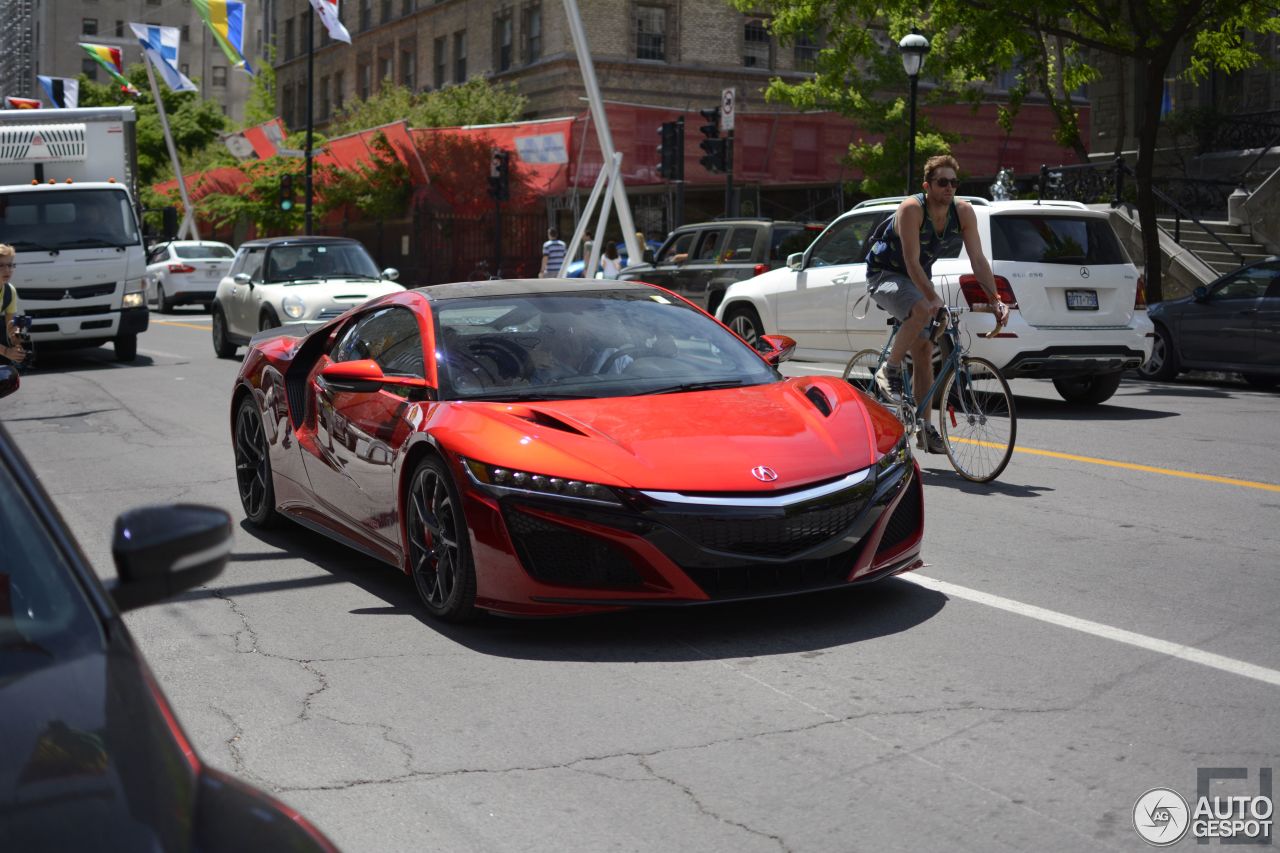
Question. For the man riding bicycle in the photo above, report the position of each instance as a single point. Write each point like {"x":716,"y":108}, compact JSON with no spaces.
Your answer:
{"x":926,"y":226}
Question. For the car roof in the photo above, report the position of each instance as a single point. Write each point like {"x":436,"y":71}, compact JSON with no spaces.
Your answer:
{"x":738,"y":221}
{"x":1021,"y":205}
{"x":297,"y":240}
{"x":190,"y":243}
{"x":527,"y":287}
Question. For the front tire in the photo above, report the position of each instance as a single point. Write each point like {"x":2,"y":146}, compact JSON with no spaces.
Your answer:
{"x":860,"y":372}
{"x":126,"y":348}
{"x":977,"y":420}
{"x":1163,"y":364}
{"x":222,"y":345}
{"x":268,"y":319}
{"x":253,"y":466}
{"x":745,"y":323}
{"x":163,"y":304}
{"x":1088,"y":390}
{"x":439,"y":546}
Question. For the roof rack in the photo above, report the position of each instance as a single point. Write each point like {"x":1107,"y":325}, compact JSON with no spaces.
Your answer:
{"x":972,"y":199}
{"x":1056,"y":202}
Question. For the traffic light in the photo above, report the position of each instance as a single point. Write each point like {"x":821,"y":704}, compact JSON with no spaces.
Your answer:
{"x":286,"y":192}
{"x":500,"y":174}
{"x":671,"y":151}
{"x":717,"y":157}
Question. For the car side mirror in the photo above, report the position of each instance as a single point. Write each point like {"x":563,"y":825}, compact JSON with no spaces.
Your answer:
{"x":161,"y":551}
{"x":364,"y":376}
{"x":647,"y":256}
{"x":242,"y":278}
{"x":9,"y":380}
{"x":776,"y":348}
{"x":391,"y":274}
{"x":795,"y":261}
{"x":1201,"y":294}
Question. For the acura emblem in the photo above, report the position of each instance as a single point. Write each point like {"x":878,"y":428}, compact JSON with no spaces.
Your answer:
{"x":764,"y":474}
{"x":1084,"y":272}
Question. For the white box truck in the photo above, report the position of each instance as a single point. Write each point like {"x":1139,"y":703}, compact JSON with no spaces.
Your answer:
{"x":68,"y":206}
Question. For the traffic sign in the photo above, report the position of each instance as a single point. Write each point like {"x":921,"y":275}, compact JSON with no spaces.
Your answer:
{"x":726,"y":109}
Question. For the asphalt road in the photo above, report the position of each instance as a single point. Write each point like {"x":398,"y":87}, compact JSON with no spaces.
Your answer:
{"x":1099,"y":622}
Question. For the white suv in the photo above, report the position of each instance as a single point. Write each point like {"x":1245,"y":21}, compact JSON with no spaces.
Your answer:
{"x":1078,"y":314}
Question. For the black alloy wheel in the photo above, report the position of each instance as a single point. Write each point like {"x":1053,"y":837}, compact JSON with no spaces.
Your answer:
{"x":439,"y":547}
{"x":253,"y":466}
{"x":222,"y":345}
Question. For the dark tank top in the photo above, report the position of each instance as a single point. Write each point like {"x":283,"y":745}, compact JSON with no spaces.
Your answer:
{"x":885,"y":254}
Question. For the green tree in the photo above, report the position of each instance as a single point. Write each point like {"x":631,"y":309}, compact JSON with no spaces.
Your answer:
{"x":475,"y":102}
{"x":1049,"y":42}
{"x":257,"y":200}
{"x":379,"y":188}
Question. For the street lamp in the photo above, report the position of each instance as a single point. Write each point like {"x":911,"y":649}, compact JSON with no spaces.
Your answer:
{"x":913,"y":48}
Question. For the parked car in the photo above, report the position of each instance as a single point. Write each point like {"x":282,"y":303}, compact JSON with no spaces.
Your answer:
{"x":551,"y":446}
{"x":91,"y":754}
{"x":184,"y":271}
{"x":293,"y":279}
{"x":700,"y":261}
{"x":1078,"y":312}
{"x":1232,"y":324}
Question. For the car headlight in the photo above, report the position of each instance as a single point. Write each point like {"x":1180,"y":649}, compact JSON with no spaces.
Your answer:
{"x":294,"y":306}
{"x":136,"y":299}
{"x":894,"y":458}
{"x":513,"y":480}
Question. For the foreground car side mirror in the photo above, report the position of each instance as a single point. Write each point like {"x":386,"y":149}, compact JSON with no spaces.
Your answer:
{"x":391,"y":274}
{"x":9,"y":380}
{"x":776,"y":348}
{"x":1201,"y":294}
{"x":160,"y":551}
{"x":795,"y":261}
{"x":365,"y":376}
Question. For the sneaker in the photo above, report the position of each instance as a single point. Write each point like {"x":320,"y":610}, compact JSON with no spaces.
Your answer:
{"x":930,"y":440}
{"x":890,"y":383}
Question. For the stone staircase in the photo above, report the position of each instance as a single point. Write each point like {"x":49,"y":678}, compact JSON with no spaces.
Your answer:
{"x":1209,"y":250}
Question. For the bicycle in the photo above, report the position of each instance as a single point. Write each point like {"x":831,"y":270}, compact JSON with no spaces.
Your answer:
{"x":976,"y":416}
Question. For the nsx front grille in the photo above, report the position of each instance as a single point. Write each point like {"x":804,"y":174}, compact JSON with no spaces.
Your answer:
{"x":905,"y":520}
{"x":757,"y":579}
{"x":560,"y":555}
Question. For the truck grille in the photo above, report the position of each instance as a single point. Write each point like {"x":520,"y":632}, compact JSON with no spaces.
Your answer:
{"x":53,"y":294}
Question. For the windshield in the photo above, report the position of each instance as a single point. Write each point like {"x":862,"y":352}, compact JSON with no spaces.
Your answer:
{"x":44,"y":220}
{"x":598,"y":344}
{"x":311,"y":261}
{"x":44,"y":617}
{"x":206,"y":250}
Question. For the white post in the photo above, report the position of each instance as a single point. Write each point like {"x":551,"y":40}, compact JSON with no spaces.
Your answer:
{"x":589,"y":269}
{"x":572,"y":249}
{"x":596,"y":103}
{"x":189,"y":218}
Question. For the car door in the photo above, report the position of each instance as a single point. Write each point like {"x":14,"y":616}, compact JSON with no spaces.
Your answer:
{"x":1221,"y":328}
{"x":360,"y":433}
{"x":813,"y":310}
{"x":241,"y":308}
{"x":669,"y":258}
{"x":1267,"y":326}
{"x":691,"y":278}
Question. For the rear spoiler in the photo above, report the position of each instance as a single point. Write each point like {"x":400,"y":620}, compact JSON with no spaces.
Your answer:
{"x":292,"y":330}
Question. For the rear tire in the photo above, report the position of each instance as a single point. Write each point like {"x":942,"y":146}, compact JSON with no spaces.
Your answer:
{"x":222,"y":346}
{"x":439,"y":549}
{"x":1088,"y":390}
{"x":126,"y":348}
{"x":745,"y":323}
{"x":1163,"y":364}
{"x":978,"y":422}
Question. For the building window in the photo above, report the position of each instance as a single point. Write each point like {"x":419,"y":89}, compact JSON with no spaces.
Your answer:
{"x":757,"y":46}
{"x":288,"y":39}
{"x":441,"y":54}
{"x":386,"y":11}
{"x":186,"y":32}
{"x":153,"y":2}
{"x":89,"y":26}
{"x":186,"y":69}
{"x":386,"y":71}
{"x":119,"y":29}
{"x":406,"y":7}
{"x":364,"y":81}
{"x":302,"y":103}
{"x":89,"y":68}
{"x":460,"y":56}
{"x":806,"y":57}
{"x":286,"y":105}
{"x":651,"y":32}
{"x":337,"y":90}
{"x":219,"y":75}
{"x":366,"y":14}
{"x":503,"y":41}
{"x":531,"y":32}
{"x":409,"y":68}
{"x":323,"y":107}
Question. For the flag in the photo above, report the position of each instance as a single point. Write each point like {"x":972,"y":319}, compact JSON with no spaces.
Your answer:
{"x":13,"y":103}
{"x":328,"y":12}
{"x":225,"y":19}
{"x":63,"y":92}
{"x":160,"y":46}
{"x":110,"y":59}
{"x":1166,"y":97}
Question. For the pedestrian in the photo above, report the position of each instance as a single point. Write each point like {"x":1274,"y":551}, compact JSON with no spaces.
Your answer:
{"x":587,"y":240}
{"x":610,"y":264}
{"x":10,"y":343}
{"x":552,"y":255}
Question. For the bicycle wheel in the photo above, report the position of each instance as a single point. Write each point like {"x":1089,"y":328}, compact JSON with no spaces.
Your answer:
{"x":861,"y":369}
{"x":977,"y":420}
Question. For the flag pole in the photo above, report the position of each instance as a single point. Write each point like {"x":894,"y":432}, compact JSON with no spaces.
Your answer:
{"x":311,"y":78}
{"x":188,"y":218}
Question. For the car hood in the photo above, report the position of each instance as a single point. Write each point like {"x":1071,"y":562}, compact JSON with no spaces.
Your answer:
{"x":701,"y":441}
{"x":335,"y":288}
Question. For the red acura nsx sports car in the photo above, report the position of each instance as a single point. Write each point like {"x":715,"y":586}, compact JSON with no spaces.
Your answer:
{"x":552,"y":447}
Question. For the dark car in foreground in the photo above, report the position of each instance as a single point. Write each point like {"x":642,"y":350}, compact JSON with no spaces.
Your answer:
{"x":1232,"y":324}
{"x":91,"y":755}
{"x":559,"y":446}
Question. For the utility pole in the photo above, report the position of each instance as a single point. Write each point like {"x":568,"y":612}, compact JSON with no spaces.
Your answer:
{"x":311,"y":79}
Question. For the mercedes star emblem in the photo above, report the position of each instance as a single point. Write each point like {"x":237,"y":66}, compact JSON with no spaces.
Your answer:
{"x":1084,"y":272}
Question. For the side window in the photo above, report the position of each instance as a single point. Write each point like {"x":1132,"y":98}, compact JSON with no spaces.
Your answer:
{"x":158,"y":254}
{"x":741,"y":246}
{"x":677,"y":245}
{"x":389,"y":337}
{"x":843,"y":242}
{"x":238,"y":263}
{"x":710,"y":246}
{"x":1248,"y":284}
{"x":253,"y":264}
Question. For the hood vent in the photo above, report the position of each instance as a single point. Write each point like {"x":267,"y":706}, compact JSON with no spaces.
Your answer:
{"x":543,"y":419}
{"x":819,"y":400}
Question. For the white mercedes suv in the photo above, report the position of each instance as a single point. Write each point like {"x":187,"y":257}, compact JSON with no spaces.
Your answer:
{"x":1077,"y":309}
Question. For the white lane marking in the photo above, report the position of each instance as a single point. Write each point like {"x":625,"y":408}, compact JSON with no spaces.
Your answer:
{"x":1097,"y":629}
{"x":163,"y":354}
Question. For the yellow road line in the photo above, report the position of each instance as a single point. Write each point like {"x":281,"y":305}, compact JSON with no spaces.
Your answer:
{"x":183,"y":325}
{"x":1131,"y":466}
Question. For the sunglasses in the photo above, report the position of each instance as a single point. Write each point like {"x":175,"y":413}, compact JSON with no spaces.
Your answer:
{"x":8,"y":266}
{"x":947,"y":182}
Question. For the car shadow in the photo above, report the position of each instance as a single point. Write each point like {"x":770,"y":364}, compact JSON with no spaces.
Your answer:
{"x":1204,"y":385}
{"x":803,"y":623}
{"x":50,"y":360}
{"x":1041,"y":408}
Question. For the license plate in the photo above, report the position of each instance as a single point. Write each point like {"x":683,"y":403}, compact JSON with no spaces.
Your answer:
{"x":1082,"y":300}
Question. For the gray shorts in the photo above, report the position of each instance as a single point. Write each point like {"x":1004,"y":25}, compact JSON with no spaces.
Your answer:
{"x":896,"y":293}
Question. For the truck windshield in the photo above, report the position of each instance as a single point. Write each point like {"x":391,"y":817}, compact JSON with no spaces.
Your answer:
{"x":56,"y":219}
